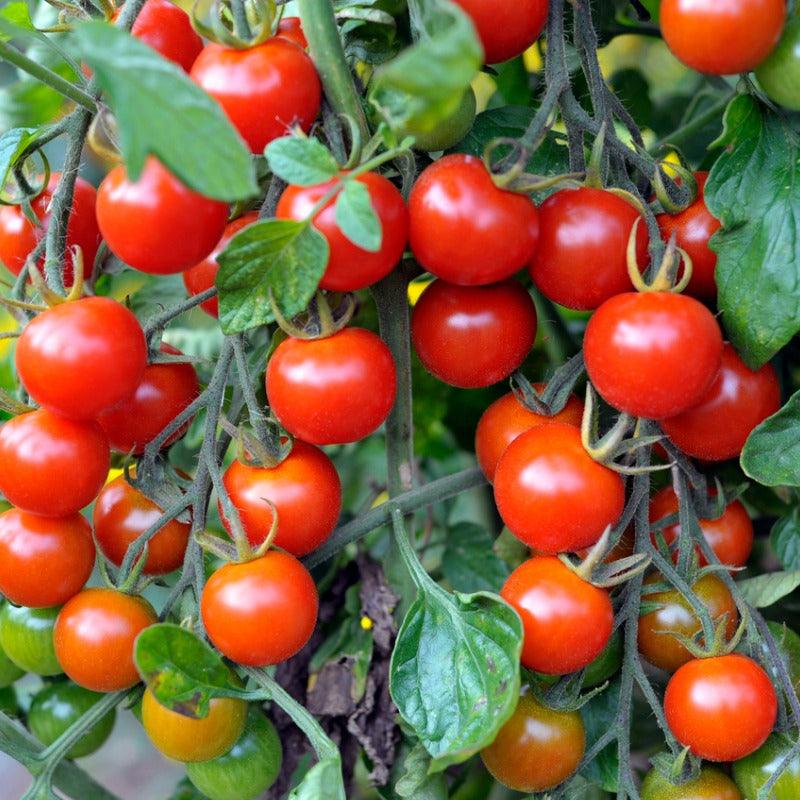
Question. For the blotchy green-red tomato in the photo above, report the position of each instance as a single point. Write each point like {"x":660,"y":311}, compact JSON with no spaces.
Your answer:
{"x":710,"y":784}
{"x":752,"y":772}
{"x":779,"y":73}
{"x":537,"y":749}
{"x":26,"y":636}
{"x":448,"y":131}
{"x":56,"y":707}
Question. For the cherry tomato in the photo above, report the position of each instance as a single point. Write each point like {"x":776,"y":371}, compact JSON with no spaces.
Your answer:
{"x":157,"y":224}
{"x":164,"y":391}
{"x":717,"y":426}
{"x":248,"y":769}
{"x":637,"y":348}
{"x":9,"y":671}
{"x":122,"y":513}
{"x":18,"y":236}
{"x":507,"y":418}
{"x":752,"y":772}
{"x":168,"y":30}
{"x":203,"y":275}
{"x":464,"y":229}
{"x":94,"y":637}
{"x":581,"y":259}
{"x":722,"y":38}
{"x":239,"y":599}
{"x":350,"y":267}
{"x":305,"y":490}
{"x":56,"y":707}
{"x":185,"y":738}
{"x":44,"y":560}
{"x":567,"y":621}
{"x":291,"y":28}
{"x":729,"y":536}
{"x":537,"y":749}
{"x":722,"y":708}
{"x":710,"y":784}
{"x":333,"y":390}
{"x":26,"y":636}
{"x":447,"y":132}
{"x":551,"y":493}
{"x":779,"y":73}
{"x":264,"y":90}
{"x":83,"y":357}
{"x":658,"y":629}
{"x":506,"y":28}
{"x":50,"y":465}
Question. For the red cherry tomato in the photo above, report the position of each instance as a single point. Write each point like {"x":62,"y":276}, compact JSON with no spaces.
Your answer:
{"x":722,"y":38}
{"x":507,"y":418}
{"x":168,"y":29}
{"x":43,"y":560}
{"x":581,"y":259}
{"x":82,"y":357}
{"x":472,"y":336}
{"x":94,"y":636}
{"x":464,"y":229}
{"x":239,"y":598}
{"x":717,"y":426}
{"x":203,"y":275}
{"x":157,"y":224}
{"x":506,"y":28}
{"x":349,"y":266}
{"x":722,"y":708}
{"x":18,"y":236}
{"x":122,"y":513}
{"x":567,"y":621}
{"x":290,"y":28}
{"x":652,"y":354}
{"x":305,"y":490}
{"x":333,"y":390}
{"x":50,"y":465}
{"x":551,"y":493}
{"x":730,"y":536}
{"x":693,"y":228}
{"x":164,"y":391}
{"x":264,"y":90}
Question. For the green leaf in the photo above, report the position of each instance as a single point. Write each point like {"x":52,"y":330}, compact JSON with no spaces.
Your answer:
{"x":771,"y":454}
{"x":469,"y":561}
{"x":301,"y":161}
{"x":598,"y":715}
{"x":12,"y":143}
{"x":15,"y":18}
{"x":764,"y":590}
{"x":322,"y":782}
{"x":280,"y":258}
{"x":356,"y":217}
{"x":454,"y":674}
{"x":416,"y":783}
{"x":160,"y":111}
{"x":754,"y":190}
{"x":785,"y":539}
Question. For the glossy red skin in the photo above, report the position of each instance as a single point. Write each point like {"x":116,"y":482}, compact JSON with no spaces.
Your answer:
{"x":652,"y":354}
{"x":550,"y":492}
{"x":464,"y":229}
{"x":50,"y":465}
{"x":238,"y":598}
{"x":122,"y":513}
{"x":94,"y":636}
{"x":304,"y":488}
{"x":473,"y":336}
{"x":730,"y":536}
{"x":717,"y":426}
{"x":43,"y":560}
{"x":722,"y":708}
{"x":581,"y":259}
{"x":18,"y":236}
{"x":203,"y":275}
{"x":567,"y":622}
{"x":722,"y":37}
{"x":506,"y":28}
{"x":290,"y":28}
{"x":693,"y":228}
{"x":350,"y":267}
{"x":333,"y":390}
{"x":82,"y":357}
{"x":264,"y":90}
{"x":168,"y":29}
{"x":163,"y":392}
{"x":507,"y":418}
{"x":157,"y":224}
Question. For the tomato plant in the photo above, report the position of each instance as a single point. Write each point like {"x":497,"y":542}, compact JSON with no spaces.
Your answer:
{"x":778,"y":73}
{"x":710,"y":784}
{"x":752,"y":772}
{"x":26,"y":637}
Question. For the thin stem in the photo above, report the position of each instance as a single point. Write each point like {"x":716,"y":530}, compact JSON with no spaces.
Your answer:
{"x":690,"y":128}
{"x":159,"y":321}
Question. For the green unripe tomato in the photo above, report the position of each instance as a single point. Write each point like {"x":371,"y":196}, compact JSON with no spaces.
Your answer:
{"x":249,"y":768}
{"x":9,"y":671}
{"x":606,"y":664}
{"x":449,"y":131}
{"x":26,"y":635}
{"x":9,"y":705}
{"x":779,"y":74}
{"x":753,"y":772}
{"x":710,"y":784}
{"x":56,"y":707}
